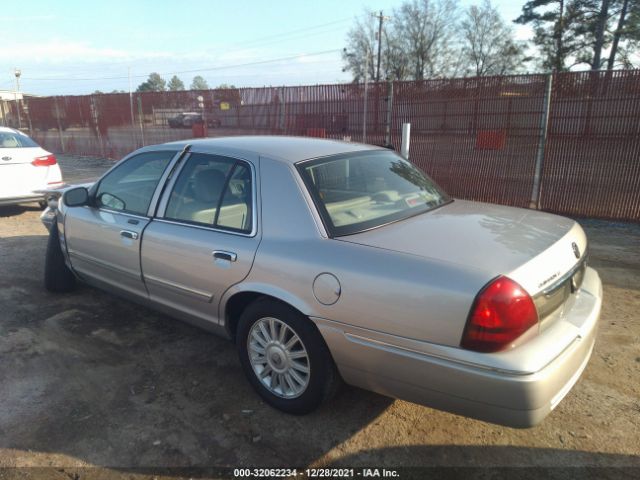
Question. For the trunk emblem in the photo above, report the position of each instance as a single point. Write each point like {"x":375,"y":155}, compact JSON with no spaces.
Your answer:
{"x":576,"y":250}
{"x":6,"y":159}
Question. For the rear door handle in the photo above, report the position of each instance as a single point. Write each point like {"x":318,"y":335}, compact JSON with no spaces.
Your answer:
{"x":222,"y":255}
{"x":129,"y":234}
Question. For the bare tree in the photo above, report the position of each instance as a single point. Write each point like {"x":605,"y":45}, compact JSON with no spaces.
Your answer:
{"x":488,"y":44}
{"x":426,"y":32}
{"x":418,"y":42}
{"x":360,"y":47}
{"x":395,"y":58}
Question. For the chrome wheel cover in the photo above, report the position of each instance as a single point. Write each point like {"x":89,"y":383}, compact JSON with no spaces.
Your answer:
{"x":278,"y":358}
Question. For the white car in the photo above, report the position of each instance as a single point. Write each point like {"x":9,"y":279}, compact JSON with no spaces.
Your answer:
{"x":25,"y":168}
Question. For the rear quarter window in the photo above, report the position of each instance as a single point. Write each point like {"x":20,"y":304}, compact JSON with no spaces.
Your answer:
{"x":16,"y":140}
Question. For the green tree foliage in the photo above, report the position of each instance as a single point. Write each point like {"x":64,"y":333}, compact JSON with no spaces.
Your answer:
{"x":155,"y":83}
{"x":625,"y":34}
{"x":555,"y":23}
{"x":175,"y":84}
{"x":199,"y":83}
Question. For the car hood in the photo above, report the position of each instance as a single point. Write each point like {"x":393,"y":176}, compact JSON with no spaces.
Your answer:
{"x":531,"y":247}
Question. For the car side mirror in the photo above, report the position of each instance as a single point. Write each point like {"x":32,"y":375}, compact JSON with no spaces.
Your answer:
{"x":76,"y":197}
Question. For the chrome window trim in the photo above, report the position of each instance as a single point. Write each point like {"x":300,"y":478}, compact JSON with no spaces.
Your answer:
{"x":164,"y":201}
{"x":203,"y":227}
{"x":118,"y":212}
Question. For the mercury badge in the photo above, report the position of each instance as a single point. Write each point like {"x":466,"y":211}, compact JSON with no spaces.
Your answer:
{"x":576,"y":250}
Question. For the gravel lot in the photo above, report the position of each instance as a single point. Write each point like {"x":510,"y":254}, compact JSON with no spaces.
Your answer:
{"x":88,"y":379}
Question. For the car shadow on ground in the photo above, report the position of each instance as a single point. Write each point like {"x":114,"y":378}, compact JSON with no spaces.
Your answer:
{"x":438,"y":461}
{"x":16,"y":210}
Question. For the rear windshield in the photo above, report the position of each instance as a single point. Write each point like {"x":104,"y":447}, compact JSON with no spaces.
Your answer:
{"x":357,"y":192}
{"x":16,"y":140}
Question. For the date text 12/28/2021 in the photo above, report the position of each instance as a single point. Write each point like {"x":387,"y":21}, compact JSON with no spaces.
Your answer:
{"x":315,"y":473}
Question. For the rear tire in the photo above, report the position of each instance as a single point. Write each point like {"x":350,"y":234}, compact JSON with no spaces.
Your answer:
{"x":58,"y":278}
{"x":305,"y":374}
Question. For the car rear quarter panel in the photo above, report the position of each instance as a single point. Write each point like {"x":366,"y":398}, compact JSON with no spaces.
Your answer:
{"x":380,"y":290}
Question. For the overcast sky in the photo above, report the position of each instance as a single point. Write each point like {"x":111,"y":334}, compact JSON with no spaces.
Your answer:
{"x":75,"y":47}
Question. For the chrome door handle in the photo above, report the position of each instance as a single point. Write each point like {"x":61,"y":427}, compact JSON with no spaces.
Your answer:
{"x":129,"y":234}
{"x":222,"y":255}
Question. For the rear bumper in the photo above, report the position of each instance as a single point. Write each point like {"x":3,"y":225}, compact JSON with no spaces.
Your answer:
{"x":21,"y":199}
{"x":503,"y":396}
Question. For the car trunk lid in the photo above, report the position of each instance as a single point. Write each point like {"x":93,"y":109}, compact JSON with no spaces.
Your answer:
{"x":533,"y":248}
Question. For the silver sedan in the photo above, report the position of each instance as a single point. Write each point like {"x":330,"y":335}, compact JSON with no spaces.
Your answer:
{"x":328,"y":261}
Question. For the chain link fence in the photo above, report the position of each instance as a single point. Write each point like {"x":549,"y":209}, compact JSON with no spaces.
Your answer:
{"x":567,"y":143}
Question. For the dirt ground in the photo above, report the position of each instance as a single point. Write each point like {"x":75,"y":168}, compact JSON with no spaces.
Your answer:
{"x":90,"y":380}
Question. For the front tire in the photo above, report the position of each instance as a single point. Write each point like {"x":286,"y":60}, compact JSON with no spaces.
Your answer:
{"x":57,"y":276}
{"x":285,"y":358}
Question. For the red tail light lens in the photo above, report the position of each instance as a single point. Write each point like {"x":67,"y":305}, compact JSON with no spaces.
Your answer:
{"x":502,"y":312}
{"x":45,"y":161}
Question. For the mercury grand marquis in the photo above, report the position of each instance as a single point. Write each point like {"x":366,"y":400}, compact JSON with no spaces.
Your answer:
{"x":327,"y":261}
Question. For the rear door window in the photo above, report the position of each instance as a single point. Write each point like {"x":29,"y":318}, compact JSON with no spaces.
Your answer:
{"x":213,"y":191}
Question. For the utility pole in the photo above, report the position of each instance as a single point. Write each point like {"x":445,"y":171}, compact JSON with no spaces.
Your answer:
{"x":133,"y":128}
{"x":366,"y":97}
{"x":17,"y":72}
{"x":381,"y":18}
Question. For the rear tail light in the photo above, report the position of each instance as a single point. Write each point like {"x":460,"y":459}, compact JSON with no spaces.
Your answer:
{"x":501,"y":312}
{"x":44,"y":161}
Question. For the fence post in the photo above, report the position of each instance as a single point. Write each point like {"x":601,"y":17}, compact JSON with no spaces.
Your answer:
{"x":141,"y":118}
{"x":366,"y":98}
{"x":387,"y":131}
{"x":60,"y":136}
{"x":406,"y":133}
{"x":133,"y":123}
{"x":544,"y":126}
{"x":96,"y":123}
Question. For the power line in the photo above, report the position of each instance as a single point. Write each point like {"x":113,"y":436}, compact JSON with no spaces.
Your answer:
{"x":299,"y":30}
{"x":281,"y":37}
{"x":221,"y":67}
